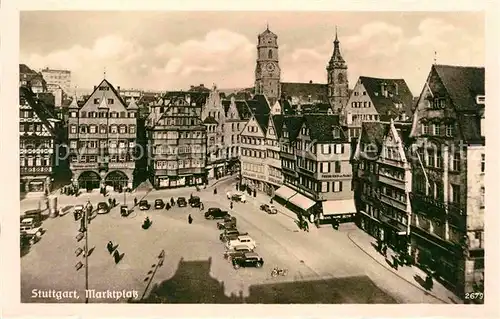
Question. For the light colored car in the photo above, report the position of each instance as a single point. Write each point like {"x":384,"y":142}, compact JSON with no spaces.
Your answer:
{"x":237,"y":197}
{"x":29,"y":227}
{"x":243,"y":240}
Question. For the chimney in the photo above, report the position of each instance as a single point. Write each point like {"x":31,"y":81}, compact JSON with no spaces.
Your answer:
{"x":310,"y":81}
{"x":396,"y":89}
{"x":383,"y":89}
{"x":118,"y":89}
{"x":95,"y":87}
{"x":202,"y":86}
{"x":192,"y":86}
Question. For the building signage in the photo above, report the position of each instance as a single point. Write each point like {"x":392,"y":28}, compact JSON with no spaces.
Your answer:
{"x":83,"y":166}
{"x":336,"y":175}
{"x":253,"y":175}
{"x":275,"y":181}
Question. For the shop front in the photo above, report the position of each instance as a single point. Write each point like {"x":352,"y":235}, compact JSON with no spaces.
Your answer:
{"x":89,"y":180}
{"x":341,"y":211}
{"x":394,"y":234}
{"x":36,"y":185}
{"x":368,"y":223}
{"x":283,"y":194}
{"x":302,"y":205}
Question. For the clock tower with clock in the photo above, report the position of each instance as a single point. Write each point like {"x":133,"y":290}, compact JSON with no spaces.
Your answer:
{"x":338,"y":84}
{"x":267,"y":70}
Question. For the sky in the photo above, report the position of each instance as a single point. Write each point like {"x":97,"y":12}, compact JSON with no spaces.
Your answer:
{"x":173,"y":50}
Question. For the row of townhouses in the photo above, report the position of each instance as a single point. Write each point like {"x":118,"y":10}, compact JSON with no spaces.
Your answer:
{"x":408,"y":170}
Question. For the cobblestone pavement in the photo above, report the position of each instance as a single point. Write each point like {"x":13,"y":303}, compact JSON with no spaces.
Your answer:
{"x":321,"y":254}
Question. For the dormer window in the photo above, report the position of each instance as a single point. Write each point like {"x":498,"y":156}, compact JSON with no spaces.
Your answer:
{"x":480,"y":99}
{"x":438,"y":103}
{"x":336,"y":132}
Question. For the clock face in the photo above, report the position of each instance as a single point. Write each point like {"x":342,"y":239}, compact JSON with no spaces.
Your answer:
{"x":270,"y":67}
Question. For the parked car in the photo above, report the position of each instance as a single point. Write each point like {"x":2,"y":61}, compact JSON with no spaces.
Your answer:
{"x":243,"y":240}
{"x":228,"y":223}
{"x":237,"y":197}
{"x":195,"y":201}
{"x":230,"y":234}
{"x":181,"y":202}
{"x":102,"y":208}
{"x":31,"y":228}
{"x":159,"y":204}
{"x":36,"y":214}
{"x":216,"y":213}
{"x":144,"y":205}
{"x":250,"y":259}
{"x":237,"y":251}
{"x":124,"y":211}
{"x":270,"y":209}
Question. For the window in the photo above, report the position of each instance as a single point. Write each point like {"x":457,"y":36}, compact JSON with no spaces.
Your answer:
{"x":113,"y":129}
{"x":111,"y":101}
{"x":339,"y":148}
{"x":326,"y":149}
{"x":456,"y":162}
{"x":481,"y":201}
{"x":483,"y":163}
{"x":449,"y":130}
{"x":430,"y":158}
{"x":337,"y":186}
{"x":83,"y":114}
{"x":72,"y":144}
{"x":102,"y":129}
{"x":425,"y":129}
{"x":96,"y":101}
{"x":72,"y":114}
{"x":438,"y":103}
{"x":436,"y":129}
{"x":455,"y":194}
{"x":325,"y":167}
{"x":72,"y":129}
{"x":337,"y":166}
{"x":336,"y":132}
{"x":270,"y":54}
{"x":131,"y":129}
{"x":123,"y":129}
{"x":93,"y":129}
{"x":439,"y":159}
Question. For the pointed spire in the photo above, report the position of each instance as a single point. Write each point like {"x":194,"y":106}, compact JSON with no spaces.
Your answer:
{"x":74,"y":102}
{"x":336,"y":35}
{"x":336,"y":56}
{"x":267,"y":26}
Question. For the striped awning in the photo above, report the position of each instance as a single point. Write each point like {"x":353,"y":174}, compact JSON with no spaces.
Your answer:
{"x":285,"y":192}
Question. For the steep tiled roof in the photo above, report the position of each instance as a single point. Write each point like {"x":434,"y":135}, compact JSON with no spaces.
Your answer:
{"x":463,"y":84}
{"x":373,"y":133}
{"x":259,"y":105}
{"x":243,"y":110}
{"x":43,"y":113}
{"x":286,"y":107}
{"x":147,"y":98}
{"x":278,"y":124}
{"x":315,"y":108}
{"x":293,"y":123}
{"x":404,"y":130}
{"x":210,"y":120}
{"x":199,"y":88}
{"x":316,"y":91}
{"x":322,"y":126}
{"x":398,"y":92}
{"x":226,"y":104}
{"x":263,"y":120}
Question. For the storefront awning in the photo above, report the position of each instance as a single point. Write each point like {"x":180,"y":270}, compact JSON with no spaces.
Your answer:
{"x":339,"y":207}
{"x":285,"y":192}
{"x":301,"y":201}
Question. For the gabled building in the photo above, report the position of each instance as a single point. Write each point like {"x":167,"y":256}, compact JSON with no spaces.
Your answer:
{"x":102,"y":140}
{"x":177,"y":138}
{"x":273,"y":161}
{"x":40,"y":143}
{"x":448,"y":176}
{"x":376,"y":99}
{"x":315,"y":164}
{"x":382,"y":182}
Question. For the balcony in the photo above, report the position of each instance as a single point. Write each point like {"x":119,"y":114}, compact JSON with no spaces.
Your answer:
{"x":121,"y":165}
{"x":43,"y":170}
{"x":391,"y":181}
{"x":426,"y":204}
{"x":83,"y":166}
{"x":392,"y":202}
{"x":456,"y":215}
{"x":391,"y":162}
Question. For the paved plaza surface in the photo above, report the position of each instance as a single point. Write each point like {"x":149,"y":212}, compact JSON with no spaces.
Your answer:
{"x":324,"y":265}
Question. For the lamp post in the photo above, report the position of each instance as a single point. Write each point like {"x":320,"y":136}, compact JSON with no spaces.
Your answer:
{"x":86,"y":218}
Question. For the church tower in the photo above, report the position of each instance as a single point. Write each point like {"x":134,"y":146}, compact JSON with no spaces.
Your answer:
{"x":267,"y":70}
{"x":338,"y":85}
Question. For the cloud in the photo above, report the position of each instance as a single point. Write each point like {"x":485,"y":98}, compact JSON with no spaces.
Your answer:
{"x":433,"y":32}
{"x":375,"y":39}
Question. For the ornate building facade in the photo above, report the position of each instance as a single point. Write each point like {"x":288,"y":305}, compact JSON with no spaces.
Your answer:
{"x":102,"y":139}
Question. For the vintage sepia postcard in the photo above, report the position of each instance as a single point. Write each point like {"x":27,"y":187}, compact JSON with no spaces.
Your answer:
{"x":234,"y":155}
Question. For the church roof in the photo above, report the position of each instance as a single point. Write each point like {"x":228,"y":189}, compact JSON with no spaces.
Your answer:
{"x":259,"y":105}
{"x":316,"y":91}
{"x":243,"y":110}
{"x":267,"y":32}
{"x":293,"y":123}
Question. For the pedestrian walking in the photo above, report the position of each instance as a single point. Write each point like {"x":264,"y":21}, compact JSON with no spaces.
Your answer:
{"x":167,"y":206}
{"x":395,"y":262}
{"x":172,"y":202}
{"x":202,"y":207}
{"x":110,"y":247}
{"x":215,"y":191}
{"x":190,"y":219}
{"x":231,"y":205}
{"x":116,"y":256}
{"x":114,"y":202}
{"x":384,"y":250}
{"x":135,"y":201}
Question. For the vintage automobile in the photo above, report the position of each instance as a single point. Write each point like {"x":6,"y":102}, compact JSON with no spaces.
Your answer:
{"x":194,"y":201}
{"x":181,"y":202}
{"x":78,"y":211}
{"x":237,"y":197}
{"x":144,"y":205}
{"x":102,"y":208}
{"x":30,"y":228}
{"x":124,"y":211}
{"x":216,"y":213}
{"x":230,"y":234}
{"x":237,"y":251}
{"x":270,"y":209}
{"x":250,"y":259}
{"x":228,"y":223}
{"x":36,"y":214}
{"x":159,"y":204}
{"x":241,"y":240}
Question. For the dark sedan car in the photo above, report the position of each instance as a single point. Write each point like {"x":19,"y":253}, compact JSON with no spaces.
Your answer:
{"x":159,"y":204}
{"x":237,"y":252}
{"x":249,"y":259}
{"x":102,"y":208}
{"x":216,"y":213}
{"x":144,"y":205}
{"x":194,"y":201}
{"x":181,"y":202}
